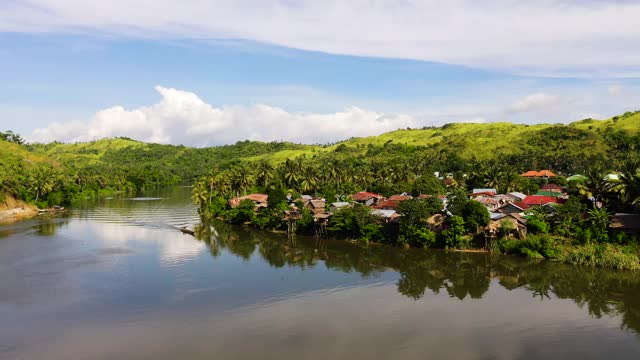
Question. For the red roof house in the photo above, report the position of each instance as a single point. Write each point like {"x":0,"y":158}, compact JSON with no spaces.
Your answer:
{"x":530,"y":173}
{"x":546,"y":173}
{"x":367,"y":198}
{"x":536,"y":200}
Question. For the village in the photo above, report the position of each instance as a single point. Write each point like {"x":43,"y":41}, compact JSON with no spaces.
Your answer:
{"x":508,"y":213}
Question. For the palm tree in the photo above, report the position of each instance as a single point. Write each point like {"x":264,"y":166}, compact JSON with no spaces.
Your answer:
{"x":630,"y":182}
{"x":265,"y":174}
{"x":309,"y":179}
{"x":599,"y":220}
{"x":509,"y":179}
{"x":199,"y":194}
{"x":291,"y":172}
{"x":241,"y":179}
{"x":492,"y":176}
{"x":597,"y":181}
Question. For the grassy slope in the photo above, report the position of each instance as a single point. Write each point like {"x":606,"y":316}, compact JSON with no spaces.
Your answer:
{"x":479,"y":140}
{"x":13,"y":151}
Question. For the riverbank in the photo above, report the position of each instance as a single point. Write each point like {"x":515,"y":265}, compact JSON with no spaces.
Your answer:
{"x":12,"y":210}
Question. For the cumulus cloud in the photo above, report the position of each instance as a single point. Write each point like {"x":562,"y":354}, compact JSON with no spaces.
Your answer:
{"x":534,"y":102}
{"x":181,"y":117}
{"x":542,"y":37}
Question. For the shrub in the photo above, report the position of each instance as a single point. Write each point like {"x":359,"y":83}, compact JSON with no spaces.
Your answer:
{"x":603,"y":255}
{"x":537,"y":226}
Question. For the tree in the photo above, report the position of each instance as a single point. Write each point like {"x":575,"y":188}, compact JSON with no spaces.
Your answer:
{"x":597,"y":181}
{"x":265,"y":174}
{"x":599,"y":220}
{"x":569,"y":215}
{"x":454,"y":235}
{"x":413,"y":223}
{"x":199,"y":194}
{"x":475,"y":216}
{"x":427,"y":184}
{"x":10,"y":136}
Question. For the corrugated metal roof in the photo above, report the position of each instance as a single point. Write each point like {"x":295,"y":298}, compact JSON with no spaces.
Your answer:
{"x":487,"y":190}
{"x":519,"y":195}
{"x":384,"y":213}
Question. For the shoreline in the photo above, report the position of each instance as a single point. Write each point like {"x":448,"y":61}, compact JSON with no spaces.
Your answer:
{"x":12,"y":210}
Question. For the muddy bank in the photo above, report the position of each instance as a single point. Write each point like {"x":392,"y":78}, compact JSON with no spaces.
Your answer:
{"x":13,"y":210}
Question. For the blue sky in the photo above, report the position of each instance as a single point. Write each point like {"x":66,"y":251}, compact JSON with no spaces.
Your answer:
{"x":76,"y":75}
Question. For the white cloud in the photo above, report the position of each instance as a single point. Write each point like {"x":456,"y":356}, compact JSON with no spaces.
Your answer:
{"x":543,"y":37}
{"x":534,"y":102}
{"x":181,"y":117}
{"x":616,"y":90}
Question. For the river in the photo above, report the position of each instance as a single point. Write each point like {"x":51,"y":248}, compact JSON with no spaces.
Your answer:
{"x":113,"y":279}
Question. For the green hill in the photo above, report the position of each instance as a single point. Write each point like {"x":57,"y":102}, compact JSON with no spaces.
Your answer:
{"x":122,"y":163}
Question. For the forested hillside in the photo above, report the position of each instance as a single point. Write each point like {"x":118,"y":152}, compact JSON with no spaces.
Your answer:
{"x":57,"y":172}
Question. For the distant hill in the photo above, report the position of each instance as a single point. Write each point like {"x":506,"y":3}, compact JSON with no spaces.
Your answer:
{"x":469,"y":140}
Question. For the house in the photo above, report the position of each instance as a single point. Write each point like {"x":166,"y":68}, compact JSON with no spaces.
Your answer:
{"x":546,"y":174}
{"x":516,"y":196}
{"x":530,"y":174}
{"x":551,"y":188}
{"x":367,"y":198}
{"x":517,"y":223}
{"x":436,"y":222}
{"x":549,"y":193}
{"x":628,"y":223}
{"x":393,"y":201}
{"x":487,"y":191}
{"x":538,"y":200}
{"x":388,"y":215}
{"x":337,"y":205}
{"x":401,"y":197}
{"x":259,"y":200}
{"x":316,"y":206}
{"x":538,"y":174}
{"x":388,"y":204}
{"x":514,"y":208}
{"x":490,"y":203}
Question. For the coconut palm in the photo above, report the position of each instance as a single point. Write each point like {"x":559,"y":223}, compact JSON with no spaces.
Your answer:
{"x":630,"y":182}
{"x":199,"y":193}
{"x":597,"y":181}
{"x":291,"y":173}
{"x":493,"y":176}
{"x":309,"y":180}
{"x":265,"y":174}
{"x":509,"y":180}
{"x":599,"y":219}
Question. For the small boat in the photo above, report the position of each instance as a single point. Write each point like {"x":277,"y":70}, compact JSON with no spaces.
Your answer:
{"x":187,"y":231}
{"x":51,"y":209}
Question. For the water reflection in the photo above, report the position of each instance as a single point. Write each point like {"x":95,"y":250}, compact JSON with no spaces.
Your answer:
{"x":464,"y":276}
{"x":116,"y":280}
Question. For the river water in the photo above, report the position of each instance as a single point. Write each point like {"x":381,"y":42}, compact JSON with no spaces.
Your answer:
{"x":116,"y":280}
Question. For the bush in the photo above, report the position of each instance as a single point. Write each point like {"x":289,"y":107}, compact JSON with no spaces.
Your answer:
{"x":603,"y":255}
{"x":537,"y":226}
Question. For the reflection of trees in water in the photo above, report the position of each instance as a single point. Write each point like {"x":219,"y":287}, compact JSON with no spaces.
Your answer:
{"x":461,"y":275}
{"x":48,"y":225}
